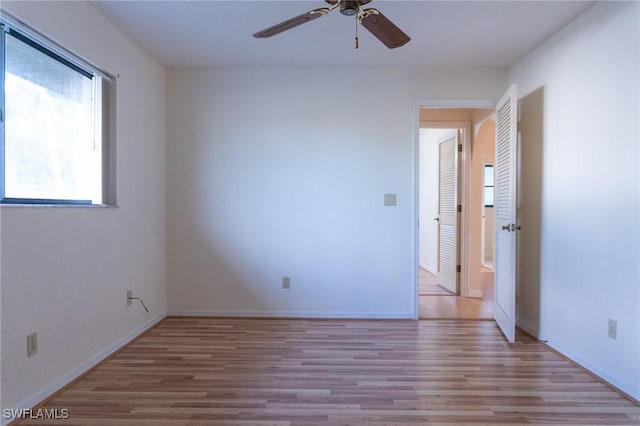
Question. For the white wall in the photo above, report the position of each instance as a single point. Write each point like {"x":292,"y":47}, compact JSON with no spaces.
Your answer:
{"x":65,"y":271}
{"x":489,"y":232}
{"x":428,"y":186}
{"x":590,"y":234}
{"x":275,"y":172}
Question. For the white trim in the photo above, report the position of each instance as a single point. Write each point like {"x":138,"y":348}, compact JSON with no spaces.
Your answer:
{"x":533,"y":332}
{"x":445,"y":103}
{"x":59,"y":206}
{"x":475,"y":293}
{"x":251,"y":313}
{"x":602,"y":375}
{"x":71,"y":375}
{"x":415,"y":212}
{"x":429,"y":269}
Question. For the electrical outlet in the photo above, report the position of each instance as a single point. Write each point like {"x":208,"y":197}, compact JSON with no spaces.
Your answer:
{"x":286,"y":283}
{"x":32,"y":344}
{"x":613,"y":329}
{"x":129,"y":296}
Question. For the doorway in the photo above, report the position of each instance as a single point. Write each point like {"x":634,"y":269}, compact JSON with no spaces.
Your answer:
{"x":472,"y":297}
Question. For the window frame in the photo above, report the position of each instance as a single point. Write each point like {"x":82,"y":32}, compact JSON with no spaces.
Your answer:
{"x":104,"y":114}
{"x":485,"y":186}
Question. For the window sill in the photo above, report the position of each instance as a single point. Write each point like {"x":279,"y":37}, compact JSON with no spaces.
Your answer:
{"x":58,"y":206}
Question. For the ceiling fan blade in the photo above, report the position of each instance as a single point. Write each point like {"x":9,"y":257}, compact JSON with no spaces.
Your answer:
{"x":291,"y":23}
{"x":383,"y":29}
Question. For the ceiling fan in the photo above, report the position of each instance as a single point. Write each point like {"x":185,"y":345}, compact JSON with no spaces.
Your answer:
{"x":374,"y":21}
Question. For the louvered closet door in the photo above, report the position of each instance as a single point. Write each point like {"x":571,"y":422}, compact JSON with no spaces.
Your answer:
{"x":447,"y":212}
{"x":505,"y":208}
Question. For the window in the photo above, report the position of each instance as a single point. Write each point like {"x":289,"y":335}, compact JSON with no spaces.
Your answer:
{"x":54,"y":124}
{"x":488,"y":185}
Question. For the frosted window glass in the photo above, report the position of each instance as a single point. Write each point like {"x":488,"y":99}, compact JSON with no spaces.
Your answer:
{"x":488,"y":175}
{"x":488,"y":196}
{"x":488,"y":186}
{"x":49,"y":134}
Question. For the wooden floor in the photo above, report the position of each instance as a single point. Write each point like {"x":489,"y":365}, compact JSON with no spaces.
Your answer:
{"x":206,"y":371}
{"x":428,"y":284}
{"x":458,"y":307}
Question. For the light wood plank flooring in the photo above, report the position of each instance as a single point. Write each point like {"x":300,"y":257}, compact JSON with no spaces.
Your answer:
{"x":208,"y":371}
{"x":428,"y":284}
{"x":458,"y":307}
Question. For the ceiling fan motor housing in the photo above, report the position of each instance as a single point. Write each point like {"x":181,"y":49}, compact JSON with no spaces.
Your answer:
{"x":349,"y":7}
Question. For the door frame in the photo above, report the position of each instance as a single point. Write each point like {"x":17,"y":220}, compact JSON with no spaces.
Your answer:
{"x":434,"y":103}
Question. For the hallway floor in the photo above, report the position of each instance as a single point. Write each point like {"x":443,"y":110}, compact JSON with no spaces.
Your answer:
{"x":445,"y":306}
{"x":429,"y":285}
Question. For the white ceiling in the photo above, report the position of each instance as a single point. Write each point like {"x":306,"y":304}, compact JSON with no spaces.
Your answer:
{"x":445,"y":34}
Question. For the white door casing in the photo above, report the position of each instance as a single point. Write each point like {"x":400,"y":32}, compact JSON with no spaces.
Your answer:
{"x":448,"y":212}
{"x":505,"y":213}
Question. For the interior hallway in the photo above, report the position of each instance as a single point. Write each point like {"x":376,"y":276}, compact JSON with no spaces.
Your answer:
{"x":429,"y":285}
{"x":447,"y":306}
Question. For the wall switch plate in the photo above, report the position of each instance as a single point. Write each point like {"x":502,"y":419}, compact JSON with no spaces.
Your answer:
{"x":286,"y":283}
{"x":390,"y":199}
{"x":613,"y":329}
{"x":32,"y":344}
{"x":129,"y":296}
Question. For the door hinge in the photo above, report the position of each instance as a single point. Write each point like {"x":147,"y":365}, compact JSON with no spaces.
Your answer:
{"x":458,"y":268}
{"x":459,"y":148}
{"x":459,"y":208}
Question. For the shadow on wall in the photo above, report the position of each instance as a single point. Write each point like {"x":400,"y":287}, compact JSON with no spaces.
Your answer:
{"x":207,"y":281}
{"x":206,"y":277}
{"x":529,"y":209}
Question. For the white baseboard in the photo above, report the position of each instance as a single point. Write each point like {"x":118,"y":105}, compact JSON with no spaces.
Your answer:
{"x":66,"y":378}
{"x":428,"y":269}
{"x":475,"y":293}
{"x":633,"y":393}
{"x":581,"y":362}
{"x":290,"y":314}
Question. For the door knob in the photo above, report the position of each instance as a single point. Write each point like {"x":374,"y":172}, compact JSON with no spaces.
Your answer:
{"x":437,"y":219}
{"x":506,"y":228}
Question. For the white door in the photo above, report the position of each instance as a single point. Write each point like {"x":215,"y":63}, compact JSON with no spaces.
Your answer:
{"x":505,"y":211}
{"x":448,"y":212}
